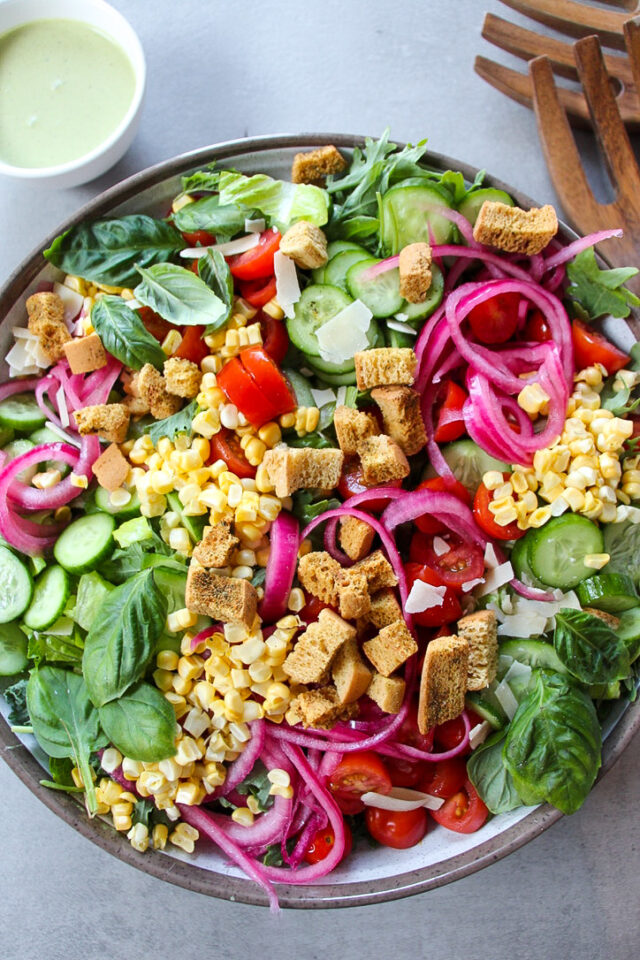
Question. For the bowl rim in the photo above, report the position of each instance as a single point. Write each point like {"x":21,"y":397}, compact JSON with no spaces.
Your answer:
{"x":181,"y":872}
{"x":138,"y":64}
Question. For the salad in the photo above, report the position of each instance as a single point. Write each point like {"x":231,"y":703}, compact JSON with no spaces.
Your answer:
{"x":318,"y":512}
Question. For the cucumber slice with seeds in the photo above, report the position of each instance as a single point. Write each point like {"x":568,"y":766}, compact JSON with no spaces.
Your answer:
{"x":611,"y":592}
{"x":85,"y":543}
{"x":337,"y":270}
{"x":534,"y":653}
{"x":13,"y":650}
{"x":50,"y":595}
{"x":416,"y":313}
{"x":131,"y":509}
{"x":21,"y":412}
{"x":557,"y":550}
{"x":380,"y":294}
{"x":17,"y":586}
{"x":469,"y":463}
{"x":470,"y":206}
{"x":318,"y":304}
{"x":408,"y":214}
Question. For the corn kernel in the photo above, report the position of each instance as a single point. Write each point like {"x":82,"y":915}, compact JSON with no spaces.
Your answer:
{"x":233,"y":705}
{"x":131,"y":769}
{"x":121,"y":822}
{"x":171,"y":342}
{"x":184,"y":836}
{"x":111,"y":759}
{"x":539,"y":517}
{"x":596,"y":561}
{"x":190,"y":793}
{"x":180,"y":541}
{"x":243,"y":816}
{"x":159,"y":836}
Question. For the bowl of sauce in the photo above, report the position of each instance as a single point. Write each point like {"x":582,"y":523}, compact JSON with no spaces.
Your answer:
{"x":72,"y":81}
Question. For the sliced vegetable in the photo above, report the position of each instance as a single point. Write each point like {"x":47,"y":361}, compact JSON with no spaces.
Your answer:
{"x":612,"y":592}
{"x":557,"y":550}
{"x":464,"y":812}
{"x":50,"y":596}
{"x":590,"y":347}
{"x":85,"y":543}
{"x":13,"y":650}
{"x":17,"y":586}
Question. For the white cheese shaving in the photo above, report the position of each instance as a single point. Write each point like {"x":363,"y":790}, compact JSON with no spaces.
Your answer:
{"x":497,"y":577}
{"x":490,"y":556}
{"x":440,"y":546}
{"x":470,"y":584}
{"x":322,"y":397}
{"x":228,"y":249}
{"x":506,"y":699}
{"x":72,"y":301}
{"x":523,"y":625}
{"x":402,"y":317}
{"x":345,"y":334}
{"x":37,"y":354}
{"x":287,"y":284}
{"x":23,"y":371}
{"x":341,"y":396}
{"x":402,"y":328}
{"x":254,"y":226}
{"x":516,"y":671}
{"x":21,"y":333}
{"x":424,"y":596}
{"x":479,"y":734}
{"x":19,"y":357}
{"x":401,"y":798}
{"x":61,"y":401}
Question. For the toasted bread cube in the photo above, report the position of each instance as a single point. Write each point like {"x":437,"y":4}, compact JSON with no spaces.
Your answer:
{"x":387,"y":692}
{"x":46,"y":320}
{"x":110,"y":421}
{"x":313,"y":654}
{"x":382,"y":461}
{"x":353,"y":594}
{"x":400,"y":408}
{"x":314,"y":166}
{"x":111,"y":469}
{"x":352,"y":427}
{"x":390,"y":648}
{"x":292,"y":468}
{"x":153,"y":390}
{"x":385,"y":608}
{"x":182,"y":377}
{"x":356,"y":537}
{"x":318,"y":573}
{"x":217,"y":545}
{"x":85,"y":354}
{"x":444,"y":682}
{"x":385,"y":366}
{"x":228,"y":599}
{"x":349,"y":673}
{"x":480,"y":630}
{"x":608,"y":618}
{"x":513,"y":229}
{"x":415,"y":272}
{"x":321,"y":708}
{"x":306,"y":244}
{"x":378,"y":571}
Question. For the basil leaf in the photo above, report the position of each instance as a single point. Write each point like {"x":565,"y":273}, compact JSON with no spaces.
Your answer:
{"x":224,"y":222}
{"x":122,"y":638}
{"x":124,"y":335}
{"x":553,"y":744}
{"x":180,"y":422}
{"x":107,"y":251}
{"x":490,"y":777}
{"x":64,"y":720}
{"x":141,"y":724}
{"x":214,"y":270}
{"x":201,"y":180}
{"x":589,"y":649}
{"x":178,"y":295}
{"x":598,"y":291}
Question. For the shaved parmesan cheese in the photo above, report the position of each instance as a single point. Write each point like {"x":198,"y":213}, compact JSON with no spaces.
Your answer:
{"x":18,"y":357}
{"x":497,"y":577}
{"x":401,"y":798}
{"x":424,"y":596}
{"x":470,"y":584}
{"x":490,"y":556}
{"x":440,"y":546}
{"x":61,"y":401}
{"x":133,"y":304}
{"x":341,"y":396}
{"x":402,"y":328}
{"x":254,"y":226}
{"x":37,"y":354}
{"x":402,"y":317}
{"x":479,"y":734}
{"x":241,"y":245}
{"x":517,"y":670}
{"x":506,"y":699}
{"x":71,"y":299}
{"x":21,"y":333}
{"x":345,"y":334}
{"x":287,"y":285}
{"x":322,"y":397}
{"x":522,"y":625}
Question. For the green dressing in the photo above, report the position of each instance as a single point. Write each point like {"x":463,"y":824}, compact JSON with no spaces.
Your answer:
{"x":64,"y":88}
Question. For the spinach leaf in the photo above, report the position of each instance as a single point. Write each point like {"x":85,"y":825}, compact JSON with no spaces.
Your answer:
{"x":16,"y":697}
{"x":141,"y":724}
{"x":629,"y":632}
{"x":589,"y":648}
{"x":553,"y":744}
{"x":207,"y":214}
{"x":214,"y":270}
{"x":108,"y":251}
{"x":60,"y":769}
{"x":598,"y":291}
{"x":64,"y":721}
{"x":122,"y":638}
{"x":124,"y":335}
{"x":178,"y":295}
{"x":201,"y":181}
{"x":180,"y":422}
{"x":490,"y":777}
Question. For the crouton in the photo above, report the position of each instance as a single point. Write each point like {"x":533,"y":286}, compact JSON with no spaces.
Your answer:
{"x":513,"y":229}
{"x":387,"y":692}
{"x":292,"y":468}
{"x":85,"y":354}
{"x":46,"y":320}
{"x":352,"y":427}
{"x":481,"y":633}
{"x":377,"y":570}
{"x":306,"y":244}
{"x":110,"y":421}
{"x":228,"y":599}
{"x":402,"y":418}
{"x":182,"y":377}
{"x":111,"y":469}
{"x":133,"y":401}
{"x":353,"y":594}
{"x":415,"y":272}
{"x":349,"y":673}
{"x":385,"y":366}
{"x":217,"y":545}
{"x":320,"y":708}
{"x":382,"y":460}
{"x":444,"y":682}
{"x":153,"y":390}
{"x":385,"y":609}
{"x":314,"y":166}
{"x":608,"y":618}
{"x":355,"y":537}
{"x":313,"y":654}
{"x":390,"y":648}
{"x":318,"y":573}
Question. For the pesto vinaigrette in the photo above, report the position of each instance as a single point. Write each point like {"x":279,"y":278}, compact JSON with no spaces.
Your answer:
{"x":64,"y":88}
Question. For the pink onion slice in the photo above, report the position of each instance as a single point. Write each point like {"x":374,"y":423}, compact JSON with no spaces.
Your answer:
{"x":30,"y":498}
{"x":281,"y":567}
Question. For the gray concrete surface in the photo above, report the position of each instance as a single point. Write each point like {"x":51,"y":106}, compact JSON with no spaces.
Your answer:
{"x":220,"y":70}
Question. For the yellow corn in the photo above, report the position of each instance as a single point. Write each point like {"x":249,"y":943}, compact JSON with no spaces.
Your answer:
{"x":270,"y":433}
{"x":171,"y":342}
{"x":273,"y":309}
{"x":184,"y":836}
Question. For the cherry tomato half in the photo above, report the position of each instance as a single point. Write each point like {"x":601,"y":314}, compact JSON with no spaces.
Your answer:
{"x":265,"y":374}
{"x":351,"y":483}
{"x":450,"y":425}
{"x":485,"y":519}
{"x":257,"y":263}
{"x":591,"y":347}
{"x":398,"y":829}
{"x":448,"y":735}
{"x":154,"y":324}
{"x":199,"y":238}
{"x":428,"y":524}
{"x":257,"y":292}
{"x":275,"y":338}
{"x":225,"y":445}
{"x":193,"y":346}
{"x":241,"y":389}
{"x":463,"y":562}
{"x":536,"y":327}
{"x":322,"y":844}
{"x":358,"y":773}
{"x":444,"y":777}
{"x":445,"y":612}
{"x":464,"y":812}
{"x":495,"y":320}
{"x":408,"y":773}
{"x":312,"y":608}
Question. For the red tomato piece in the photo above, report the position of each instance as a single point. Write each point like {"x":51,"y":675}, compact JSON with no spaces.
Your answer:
{"x":428,"y":524}
{"x":275,"y":338}
{"x":312,"y":608}
{"x":322,"y":844}
{"x":241,"y":389}
{"x":447,"y":611}
{"x":448,"y":735}
{"x":154,"y":324}
{"x":225,"y":445}
{"x":495,"y":320}
{"x":444,"y":778}
{"x":463,"y":562}
{"x":351,"y":483}
{"x":536,"y":327}
{"x":591,"y":347}
{"x":358,"y":773}
{"x":405,"y":773}
{"x":464,"y":812}
{"x":199,"y":238}
{"x":450,"y":424}
{"x":398,"y":829}
{"x":257,"y":263}
{"x":485,"y":519}
{"x":193,"y":346}
{"x":265,"y":374}
{"x":257,"y":292}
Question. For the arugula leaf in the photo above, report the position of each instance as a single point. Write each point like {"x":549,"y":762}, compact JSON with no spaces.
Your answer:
{"x":224,"y":222}
{"x":490,"y":777}
{"x":108,"y":251}
{"x":316,"y":440}
{"x":64,"y":721}
{"x":121,"y":641}
{"x":589,"y":648}
{"x":179,"y":296}
{"x":180,"y":422}
{"x":282,"y":202}
{"x":214,"y":270}
{"x":16,"y":697}
{"x":201,"y":181}
{"x":306,"y":509}
{"x":257,"y":580}
{"x":141,"y":724}
{"x":598,"y":291}
{"x":553,"y":744}
{"x":620,"y":402}
{"x":124,"y":335}
{"x":257,"y":785}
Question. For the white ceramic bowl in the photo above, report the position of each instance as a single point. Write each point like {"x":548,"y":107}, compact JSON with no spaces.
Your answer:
{"x":96,"y":13}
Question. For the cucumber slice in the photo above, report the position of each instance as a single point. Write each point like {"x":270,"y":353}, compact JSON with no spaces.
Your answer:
{"x":318,"y":303}
{"x":520,"y":563}
{"x":470,"y":206}
{"x":534,"y":653}
{"x":611,"y":592}
{"x":13,"y":650}
{"x":337,"y":379}
{"x":17,"y":586}
{"x":6,"y":435}
{"x":44,"y":435}
{"x":50,"y":595}
{"x":193,"y":525}
{"x":103,"y":503}
{"x":339,"y":246}
{"x":417,"y":312}
{"x":301,"y":387}
{"x":469,"y":463}
{"x":408,"y":214}
{"x":485,"y":709}
{"x":557,"y":550}
{"x":322,"y":367}
{"x":622,"y":543}
{"x":21,"y":412}
{"x":394,"y":338}
{"x":14,"y":450}
{"x":629,"y":631}
{"x":381,"y":294}
{"x":337,"y":269}
{"x":85,"y":543}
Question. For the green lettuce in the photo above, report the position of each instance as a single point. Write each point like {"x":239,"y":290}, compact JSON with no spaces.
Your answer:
{"x":283,"y":203}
